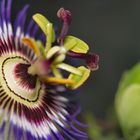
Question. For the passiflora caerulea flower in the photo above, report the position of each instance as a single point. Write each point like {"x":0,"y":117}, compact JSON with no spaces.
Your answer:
{"x":32,"y":84}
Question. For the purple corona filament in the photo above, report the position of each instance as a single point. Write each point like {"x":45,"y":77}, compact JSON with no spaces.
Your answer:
{"x":32,"y":106}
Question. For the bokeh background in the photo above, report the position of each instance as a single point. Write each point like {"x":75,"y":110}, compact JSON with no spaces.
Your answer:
{"x":112,"y":29}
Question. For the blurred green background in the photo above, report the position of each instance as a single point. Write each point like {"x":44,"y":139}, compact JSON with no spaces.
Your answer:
{"x":111,"y":28}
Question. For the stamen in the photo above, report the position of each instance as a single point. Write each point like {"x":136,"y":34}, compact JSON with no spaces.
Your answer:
{"x":57,"y":80}
{"x":79,"y":80}
{"x":69,"y":68}
{"x":70,"y":44}
{"x":52,"y":51}
{"x":47,"y":28}
{"x":49,"y":36}
{"x":56,"y":54}
{"x":66,"y":17}
{"x":77,"y":45}
{"x":56,"y":72}
{"x":41,"y":47}
{"x":59,"y":59}
{"x":32,"y":44}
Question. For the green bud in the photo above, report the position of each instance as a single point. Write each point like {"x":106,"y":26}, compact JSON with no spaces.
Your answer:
{"x":127,"y":103}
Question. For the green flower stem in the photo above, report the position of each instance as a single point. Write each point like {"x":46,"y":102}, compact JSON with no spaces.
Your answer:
{"x":95,"y":132}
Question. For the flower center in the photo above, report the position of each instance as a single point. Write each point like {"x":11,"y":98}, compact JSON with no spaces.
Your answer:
{"x":16,"y":81}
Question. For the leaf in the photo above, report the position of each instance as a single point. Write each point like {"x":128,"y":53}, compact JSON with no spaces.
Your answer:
{"x":94,"y":130}
{"x":127,"y":103}
{"x":130,"y":77}
{"x":129,"y":112}
{"x":79,"y":47}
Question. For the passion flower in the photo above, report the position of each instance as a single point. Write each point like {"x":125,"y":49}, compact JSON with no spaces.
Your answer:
{"x":32,"y":106}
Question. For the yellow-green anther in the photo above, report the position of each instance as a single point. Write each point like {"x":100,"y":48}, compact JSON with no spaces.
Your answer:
{"x":52,"y":51}
{"x":69,"y":68}
{"x":49,"y":36}
{"x":60,"y":58}
{"x":68,"y":45}
{"x":56,"y":72}
{"x":79,"y":47}
{"x":79,"y":79}
{"x":41,"y":48}
{"x":43,"y":22}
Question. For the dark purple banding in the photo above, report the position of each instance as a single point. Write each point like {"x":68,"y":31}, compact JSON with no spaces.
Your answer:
{"x":24,"y":79}
{"x":91,"y":59}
